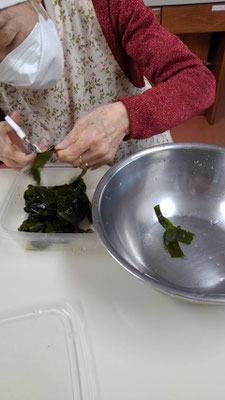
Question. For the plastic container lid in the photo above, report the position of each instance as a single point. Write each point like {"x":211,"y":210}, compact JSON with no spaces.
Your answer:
{"x":45,"y":355}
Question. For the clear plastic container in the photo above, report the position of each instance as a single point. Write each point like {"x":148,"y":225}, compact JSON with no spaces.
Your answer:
{"x":13,"y":214}
{"x":45,"y":354}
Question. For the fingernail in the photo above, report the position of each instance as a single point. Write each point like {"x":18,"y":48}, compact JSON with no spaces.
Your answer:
{"x":57,"y":148}
{"x":60,"y":146}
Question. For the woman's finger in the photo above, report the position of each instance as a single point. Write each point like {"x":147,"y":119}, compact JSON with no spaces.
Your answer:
{"x":96,"y":166}
{"x":78,"y":129}
{"x":98,"y":162}
{"x":11,"y":164}
{"x":16,"y":117}
{"x":42,"y":147}
{"x":70,"y":138}
{"x":73,"y":152}
{"x":90,"y":139}
{"x":10,"y":152}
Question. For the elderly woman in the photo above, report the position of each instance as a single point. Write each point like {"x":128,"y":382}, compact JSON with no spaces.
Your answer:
{"x":78,"y":73}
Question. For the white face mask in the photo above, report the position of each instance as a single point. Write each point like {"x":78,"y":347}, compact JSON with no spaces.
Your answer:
{"x":38,"y":61}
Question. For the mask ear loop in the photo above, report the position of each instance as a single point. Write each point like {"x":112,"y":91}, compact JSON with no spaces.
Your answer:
{"x":49,"y":10}
{"x":35,"y":8}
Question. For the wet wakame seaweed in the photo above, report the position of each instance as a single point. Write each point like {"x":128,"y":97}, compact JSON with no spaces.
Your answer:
{"x":56,"y":209}
{"x":39,"y":162}
{"x":173,"y":235}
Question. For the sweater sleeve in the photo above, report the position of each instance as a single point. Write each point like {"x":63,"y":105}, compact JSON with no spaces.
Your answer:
{"x":183,"y":86}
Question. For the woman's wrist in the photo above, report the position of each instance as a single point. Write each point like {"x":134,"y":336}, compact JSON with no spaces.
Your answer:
{"x":124,"y":118}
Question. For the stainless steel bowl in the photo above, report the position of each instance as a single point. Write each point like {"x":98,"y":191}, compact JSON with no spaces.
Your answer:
{"x":188,"y":181}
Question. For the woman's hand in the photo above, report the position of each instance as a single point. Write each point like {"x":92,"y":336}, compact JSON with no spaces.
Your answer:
{"x":95,"y":138}
{"x":10,"y":154}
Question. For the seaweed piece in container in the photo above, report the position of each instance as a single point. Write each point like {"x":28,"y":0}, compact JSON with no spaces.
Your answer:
{"x":173,"y":235}
{"x":57,"y":209}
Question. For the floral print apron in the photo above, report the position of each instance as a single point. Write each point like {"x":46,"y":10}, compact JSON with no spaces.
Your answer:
{"x":92,"y":78}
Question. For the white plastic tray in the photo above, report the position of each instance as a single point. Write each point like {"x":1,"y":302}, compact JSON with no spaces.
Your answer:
{"x":45,"y":355}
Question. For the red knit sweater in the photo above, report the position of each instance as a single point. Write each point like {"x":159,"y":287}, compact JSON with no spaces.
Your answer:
{"x":183,"y":87}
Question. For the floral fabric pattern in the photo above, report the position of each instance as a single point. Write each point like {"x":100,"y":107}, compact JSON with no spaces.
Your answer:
{"x":92,"y":78}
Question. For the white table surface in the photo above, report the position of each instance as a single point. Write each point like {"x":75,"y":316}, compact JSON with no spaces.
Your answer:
{"x":146,"y":345}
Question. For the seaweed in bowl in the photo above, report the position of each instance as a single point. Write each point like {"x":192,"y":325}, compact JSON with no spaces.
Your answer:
{"x":173,"y":235}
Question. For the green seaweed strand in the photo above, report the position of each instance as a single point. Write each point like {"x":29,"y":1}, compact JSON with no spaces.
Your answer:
{"x":173,"y":235}
{"x":39,"y":162}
